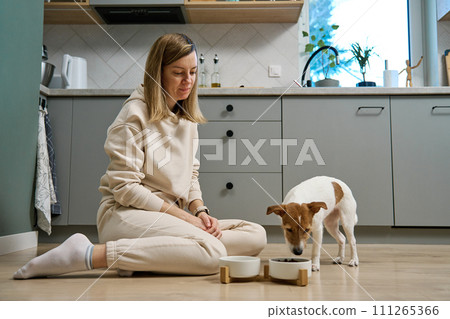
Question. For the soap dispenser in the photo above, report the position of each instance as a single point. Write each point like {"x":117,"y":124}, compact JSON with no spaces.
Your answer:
{"x":202,"y":73}
{"x":215,"y":77}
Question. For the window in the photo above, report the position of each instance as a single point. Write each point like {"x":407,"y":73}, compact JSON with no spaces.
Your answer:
{"x":381,"y":24}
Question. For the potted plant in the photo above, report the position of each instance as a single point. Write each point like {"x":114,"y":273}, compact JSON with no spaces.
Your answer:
{"x":327,"y":57}
{"x":362,"y":55}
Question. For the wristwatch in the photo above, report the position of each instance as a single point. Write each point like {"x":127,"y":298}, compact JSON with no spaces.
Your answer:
{"x":200,"y":209}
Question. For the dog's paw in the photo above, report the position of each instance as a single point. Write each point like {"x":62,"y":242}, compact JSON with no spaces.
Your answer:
{"x":338,"y":260}
{"x":315,"y":267}
{"x":353,"y":263}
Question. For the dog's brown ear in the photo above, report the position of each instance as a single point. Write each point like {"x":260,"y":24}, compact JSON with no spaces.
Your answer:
{"x":277,"y":209}
{"x":314,"y":207}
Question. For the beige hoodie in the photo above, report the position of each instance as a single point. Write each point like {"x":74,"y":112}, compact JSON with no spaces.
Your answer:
{"x":149,"y":162}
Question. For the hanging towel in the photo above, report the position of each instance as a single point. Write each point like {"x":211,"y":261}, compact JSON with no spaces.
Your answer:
{"x":44,"y":192}
{"x":56,"y":207}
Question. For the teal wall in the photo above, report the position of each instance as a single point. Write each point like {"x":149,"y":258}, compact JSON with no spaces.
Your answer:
{"x":21,"y":25}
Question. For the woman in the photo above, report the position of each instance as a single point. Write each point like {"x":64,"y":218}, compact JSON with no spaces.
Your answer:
{"x":152,"y":176}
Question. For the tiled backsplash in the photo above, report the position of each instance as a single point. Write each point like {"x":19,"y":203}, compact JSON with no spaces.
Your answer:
{"x":116,"y":54}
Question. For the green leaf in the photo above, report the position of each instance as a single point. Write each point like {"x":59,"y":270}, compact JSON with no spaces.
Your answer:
{"x":321,"y":29}
{"x":331,"y":57}
{"x":335,"y":27}
{"x":321,"y":43}
{"x":305,"y":34}
{"x":313,"y":38}
{"x":332,"y":65}
{"x":309,"y":47}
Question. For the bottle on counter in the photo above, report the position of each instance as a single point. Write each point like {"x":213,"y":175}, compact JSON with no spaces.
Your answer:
{"x":215,"y":77}
{"x":202,"y":73}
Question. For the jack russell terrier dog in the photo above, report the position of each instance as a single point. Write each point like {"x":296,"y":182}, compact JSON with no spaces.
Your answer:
{"x":313,"y":203}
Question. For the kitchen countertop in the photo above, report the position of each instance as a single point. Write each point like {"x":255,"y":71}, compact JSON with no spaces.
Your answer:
{"x":277,"y":91}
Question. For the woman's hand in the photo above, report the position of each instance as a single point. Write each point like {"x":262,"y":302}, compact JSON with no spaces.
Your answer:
{"x":203,"y":221}
{"x":211,"y":224}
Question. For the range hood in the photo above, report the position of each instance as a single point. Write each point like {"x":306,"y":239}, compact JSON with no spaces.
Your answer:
{"x":140,"y":11}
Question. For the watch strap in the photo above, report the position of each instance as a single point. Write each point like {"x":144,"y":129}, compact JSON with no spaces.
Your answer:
{"x":200,"y":209}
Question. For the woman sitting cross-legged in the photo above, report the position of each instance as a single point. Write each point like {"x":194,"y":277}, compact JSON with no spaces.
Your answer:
{"x":152,"y":176}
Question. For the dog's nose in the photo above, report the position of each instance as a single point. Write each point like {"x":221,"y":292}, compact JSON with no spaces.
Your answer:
{"x":297,"y":251}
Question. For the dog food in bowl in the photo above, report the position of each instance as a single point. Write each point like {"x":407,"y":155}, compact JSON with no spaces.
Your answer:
{"x":241,"y":266}
{"x":287,"y":267}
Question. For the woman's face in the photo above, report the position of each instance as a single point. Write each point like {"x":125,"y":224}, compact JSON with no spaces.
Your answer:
{"x":178,"y":78}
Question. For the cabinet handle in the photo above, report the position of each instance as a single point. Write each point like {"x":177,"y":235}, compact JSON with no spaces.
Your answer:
{"x":368,"y":110}
{"x":371,"y":107}
{"x":229,"y":185}
{"x":229,"y":108}
{"x":230,"y":133}
{"x":440,"y":107}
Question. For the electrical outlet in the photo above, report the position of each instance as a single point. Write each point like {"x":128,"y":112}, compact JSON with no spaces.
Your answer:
{"x":274,"y":71}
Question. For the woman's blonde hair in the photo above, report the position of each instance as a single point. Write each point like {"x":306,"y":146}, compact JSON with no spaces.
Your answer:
{"x":166,"y":50}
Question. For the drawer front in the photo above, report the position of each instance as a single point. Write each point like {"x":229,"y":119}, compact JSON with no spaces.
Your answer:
{"x":240,"y":147}
{"x":241,"y":108}
{"x":242,"y":195}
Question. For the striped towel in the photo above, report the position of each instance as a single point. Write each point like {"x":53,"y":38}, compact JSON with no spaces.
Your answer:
{"x":44,"y":195}
{"x":56,"y":207}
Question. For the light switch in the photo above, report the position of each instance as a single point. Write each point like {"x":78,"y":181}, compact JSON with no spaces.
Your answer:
{"x":274,"y":71}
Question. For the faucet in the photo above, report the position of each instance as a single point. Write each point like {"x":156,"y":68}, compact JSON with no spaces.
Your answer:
{"x":312,"y":57}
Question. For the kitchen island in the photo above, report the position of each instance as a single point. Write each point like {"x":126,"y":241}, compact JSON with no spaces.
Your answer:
{"x":390,"y":145}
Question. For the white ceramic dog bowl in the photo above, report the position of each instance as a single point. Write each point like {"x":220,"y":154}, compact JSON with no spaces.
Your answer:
{"x":241,"y":266}
{"x":286,"y":268}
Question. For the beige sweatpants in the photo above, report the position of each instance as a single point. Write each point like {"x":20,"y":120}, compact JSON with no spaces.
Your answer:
{"x":140,"y":240}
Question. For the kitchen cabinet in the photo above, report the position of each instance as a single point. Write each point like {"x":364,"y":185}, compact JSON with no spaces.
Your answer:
{"x":60,"y":115}
{"x":421,"y":160}
{"x":90,"y":121}
{"x":70,"y":12}
{"x":393,"y":152}
{"x":200,"y":11}
{"x":240,"y":158}
{"x":343,"y":137}
{"x":197,"y":11}
{"x":79,"y":130}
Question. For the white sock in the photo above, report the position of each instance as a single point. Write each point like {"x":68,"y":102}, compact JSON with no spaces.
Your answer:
{"x":74,"y":254}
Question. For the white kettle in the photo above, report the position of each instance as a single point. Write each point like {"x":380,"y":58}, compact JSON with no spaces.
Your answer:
{"x":74,"y":72}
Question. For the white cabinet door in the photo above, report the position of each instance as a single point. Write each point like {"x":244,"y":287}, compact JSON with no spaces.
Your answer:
{"x":347,"y":138}
{"x":91,"y":119}
{"x":421,"y":160}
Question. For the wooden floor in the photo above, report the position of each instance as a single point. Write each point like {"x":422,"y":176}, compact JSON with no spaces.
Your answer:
{"x":386,"y":272}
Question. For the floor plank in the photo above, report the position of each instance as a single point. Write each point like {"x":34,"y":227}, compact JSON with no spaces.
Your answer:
{"x":386,"y":272}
